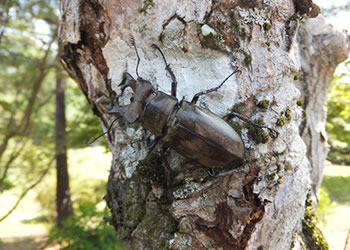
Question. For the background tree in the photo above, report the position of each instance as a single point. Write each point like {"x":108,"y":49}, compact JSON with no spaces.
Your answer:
{"x":28,"y":59}
{"x":322,"y":49}
{"x":25,"y":64}
{"x":200,"y":41}
{"x":338,"y":119}
{"x":63,"y":198}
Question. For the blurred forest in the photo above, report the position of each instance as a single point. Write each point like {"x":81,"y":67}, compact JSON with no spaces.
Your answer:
{"x":338,"y":120}
{"x":29,"y":70}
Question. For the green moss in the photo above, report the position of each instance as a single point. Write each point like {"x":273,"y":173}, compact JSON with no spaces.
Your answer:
{"x":147,"y":4}
{"x":268,"y":44}
{"x":134,"y":212}
{"x":287,"y":114}
{"x":271,"y":176}
{"x":158,"y":221}
{"x":296,"y":16}
{"x":304,"y":113}
{"x":281,"y":121}
{"x":296,"y":77}
{"x":248,"y":59}
{"x":257,"y":134}
{"x":236,"y":126}
{"x":300,"y":102}
{"x":313,"y":237}
{"x":279,"y":167}
{"x":131,"y":208}
{"x":214,"y":42}
{"x":151,"y":170}
{"x":267,"y":26}
{"x":276,"y":154}
{"x":264,"y":104}
{"x":239,"y":108}
{"x":247,"y":159}
{"x":239,"y":33}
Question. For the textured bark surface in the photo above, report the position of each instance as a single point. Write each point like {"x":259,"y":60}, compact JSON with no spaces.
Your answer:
{"x":321,"y":49}
{"x":203,"y":41}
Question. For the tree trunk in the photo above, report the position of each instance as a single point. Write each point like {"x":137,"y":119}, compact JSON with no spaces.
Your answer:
{"x":203,"y":41}
{"x":63,"y":200}
{"x":321,"y":49}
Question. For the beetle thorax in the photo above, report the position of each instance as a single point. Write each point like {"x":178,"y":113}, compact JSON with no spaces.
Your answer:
{"x":157,"y":112}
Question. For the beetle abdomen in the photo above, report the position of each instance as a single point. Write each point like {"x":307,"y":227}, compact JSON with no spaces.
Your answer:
{"x":202,"y":136}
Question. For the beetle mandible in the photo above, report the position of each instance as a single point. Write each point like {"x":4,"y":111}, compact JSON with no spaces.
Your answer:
{"x":192,"y":131}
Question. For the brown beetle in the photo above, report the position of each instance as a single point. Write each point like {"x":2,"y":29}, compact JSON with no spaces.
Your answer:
{"x":192,"y":131}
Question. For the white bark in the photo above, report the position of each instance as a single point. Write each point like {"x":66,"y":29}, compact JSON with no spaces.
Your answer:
{"x":232,"y":212}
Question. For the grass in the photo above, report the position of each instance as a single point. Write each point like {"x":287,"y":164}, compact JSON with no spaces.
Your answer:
{"x":337,"y":182}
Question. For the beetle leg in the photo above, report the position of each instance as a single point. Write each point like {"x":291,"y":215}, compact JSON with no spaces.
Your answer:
{"x":171,"y":73}
{"x":273,"y":132}
{"x":153,"y":144}
{"x":168,"y":170}
{"x":138,"y":57}
{"x":128,"y":81}
{"x":92,"y":140}
{"x":212,"y":173}
{"x":196,"y":96}
{"x":116,"y":108}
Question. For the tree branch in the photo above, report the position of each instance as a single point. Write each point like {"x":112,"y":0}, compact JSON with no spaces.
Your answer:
{"x":27,"y":190}
{"x":23,"y":126}
{"x":13,"y":156}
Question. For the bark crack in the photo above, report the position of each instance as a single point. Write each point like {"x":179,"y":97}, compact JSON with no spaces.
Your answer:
{"x":94,"y":36}
{"x":220,"y":229}
{"x":93,"y":26}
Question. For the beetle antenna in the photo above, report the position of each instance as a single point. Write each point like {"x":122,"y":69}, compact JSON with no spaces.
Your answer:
{"x":138,"y":57}
{"x":93,"y":139}
{"x":170,"y":71}
{"x":196,"y":96}
{"x":161,"y":52}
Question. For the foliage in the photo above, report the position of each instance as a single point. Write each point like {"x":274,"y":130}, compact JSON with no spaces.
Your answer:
{"x":338,"y":120}
{"x":86,"y":230}
{"x":324,"y":205}
{"x":6,"y":184}
{"x":28,"y":62}
{"x":334,"y":192}
{"x":338,"y":187}
{"x":83,"y":189}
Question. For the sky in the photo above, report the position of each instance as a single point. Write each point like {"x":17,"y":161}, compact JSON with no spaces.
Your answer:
{"x":341,"y":20}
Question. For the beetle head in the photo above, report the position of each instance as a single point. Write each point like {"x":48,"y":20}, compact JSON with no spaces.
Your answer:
{"x":134,"y":111}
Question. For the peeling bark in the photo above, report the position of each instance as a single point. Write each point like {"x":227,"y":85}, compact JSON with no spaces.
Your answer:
{"x":203,"y":41}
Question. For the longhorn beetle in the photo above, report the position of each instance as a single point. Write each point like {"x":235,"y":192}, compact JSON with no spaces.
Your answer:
{"x":194,"y":132}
